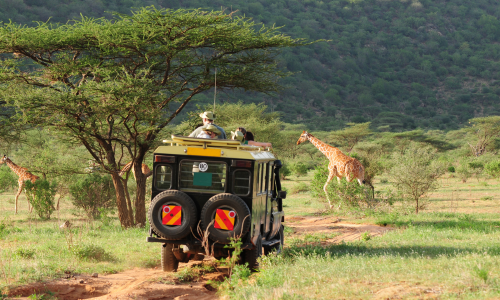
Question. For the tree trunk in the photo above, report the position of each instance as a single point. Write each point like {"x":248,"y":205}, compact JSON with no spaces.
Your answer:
{"x":140,"y":203}
{"x":121,"y":202}
{"x":129,"y":202}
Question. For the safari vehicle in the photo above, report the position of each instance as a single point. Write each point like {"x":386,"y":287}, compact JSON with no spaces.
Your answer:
{"x":206,"y":191}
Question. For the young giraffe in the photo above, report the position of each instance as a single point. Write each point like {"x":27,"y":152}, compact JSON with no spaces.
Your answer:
{"x":340,"y":164}
{"x":23,"y":176}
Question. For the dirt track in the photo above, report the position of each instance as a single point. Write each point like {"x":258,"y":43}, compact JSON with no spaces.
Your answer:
{"x":156,"y":284}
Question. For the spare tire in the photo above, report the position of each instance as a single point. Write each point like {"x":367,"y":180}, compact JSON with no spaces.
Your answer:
{"x":239,"y":212}
{"x":188,"y":217}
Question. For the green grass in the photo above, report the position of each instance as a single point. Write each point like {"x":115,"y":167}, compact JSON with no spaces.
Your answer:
{"x":455,"y":255}
{"x":33,"y":250}
{"x":445,"y":253}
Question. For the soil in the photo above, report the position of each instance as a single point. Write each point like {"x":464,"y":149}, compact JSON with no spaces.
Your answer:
{"x":156,"y":284}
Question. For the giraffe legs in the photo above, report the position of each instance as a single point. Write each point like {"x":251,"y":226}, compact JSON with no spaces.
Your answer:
{"x":17,"y":196}
{"x":330,"y":177}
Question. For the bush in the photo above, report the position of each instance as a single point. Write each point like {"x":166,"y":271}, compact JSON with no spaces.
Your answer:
{"x":92,"y":252}
{"x":415,"y":173}
{"x":343,"y":194}
{"x":8,"y":180}
{"x":451,"y":169}
{"x":41,"y":196}
{"x":300,"y":169}
{"x":92,"y":192}
{"x":493,"y":169}
{"x":299,"y":187}
{"x":285,"y":171}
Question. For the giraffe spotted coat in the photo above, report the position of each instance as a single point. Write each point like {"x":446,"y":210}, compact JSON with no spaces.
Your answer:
{"x":340,"y":165}
{"x":23,"y":176}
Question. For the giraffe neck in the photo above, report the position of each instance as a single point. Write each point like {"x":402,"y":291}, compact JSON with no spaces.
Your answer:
{"x":15,"y":168}
{"x":326,"y":149}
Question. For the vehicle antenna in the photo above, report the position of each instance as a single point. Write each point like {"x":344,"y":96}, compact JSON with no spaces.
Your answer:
{"x":215,"y":92}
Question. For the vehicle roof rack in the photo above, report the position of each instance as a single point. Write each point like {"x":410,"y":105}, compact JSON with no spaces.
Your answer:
{"x":179,"y":140}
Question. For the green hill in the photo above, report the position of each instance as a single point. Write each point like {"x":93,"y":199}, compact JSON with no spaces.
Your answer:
{"x":401,"y":64}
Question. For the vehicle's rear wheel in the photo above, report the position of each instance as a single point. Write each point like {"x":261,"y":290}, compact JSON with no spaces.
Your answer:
{"x":172,"y":215}
{"x":251,"y":256}
{"x":226,"y":216}
{"x":277,"y":247}
{"x":169,"y":262}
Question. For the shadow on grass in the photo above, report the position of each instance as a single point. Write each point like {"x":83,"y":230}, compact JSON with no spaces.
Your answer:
{"x":341,"y":250}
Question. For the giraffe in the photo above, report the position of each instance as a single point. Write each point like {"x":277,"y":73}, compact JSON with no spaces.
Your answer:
{"x":145,"y":170}
{"x":23,"y":176}
{"x":340,"y":164}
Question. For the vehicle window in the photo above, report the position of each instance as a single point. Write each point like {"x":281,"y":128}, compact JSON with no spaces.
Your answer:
{"x":241,"y":182}
{"x":163,"y":177}
{"x":257,"y":184}
{"x":202,"y":176}
{"x":262,"y":177}
{"x":269,"y":178}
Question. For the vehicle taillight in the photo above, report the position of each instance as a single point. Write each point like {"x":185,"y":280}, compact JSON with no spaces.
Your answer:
{"x":241,"y":163}
{"x":164,"y":159}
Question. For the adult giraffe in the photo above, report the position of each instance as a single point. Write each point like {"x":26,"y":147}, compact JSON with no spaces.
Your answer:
{"x":340,"y":164}
{"x":23,"y":176}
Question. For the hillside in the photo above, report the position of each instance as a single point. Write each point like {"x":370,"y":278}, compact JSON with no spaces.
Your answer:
{"x":401,"y":64}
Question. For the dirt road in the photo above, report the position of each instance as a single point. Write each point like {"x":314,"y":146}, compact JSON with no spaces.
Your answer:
{"x":156,"y":284}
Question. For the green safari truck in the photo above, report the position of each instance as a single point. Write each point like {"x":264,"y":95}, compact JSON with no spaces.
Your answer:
{"x":206,"y":191}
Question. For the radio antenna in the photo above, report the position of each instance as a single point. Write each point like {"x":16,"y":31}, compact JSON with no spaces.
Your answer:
{"x":215,"y":92}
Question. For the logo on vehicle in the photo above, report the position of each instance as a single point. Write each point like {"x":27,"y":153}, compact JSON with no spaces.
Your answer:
{"x":203,"y":166}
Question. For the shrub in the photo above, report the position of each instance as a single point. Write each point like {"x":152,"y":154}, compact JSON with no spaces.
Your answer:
{"x":285,"y":171}
{"x":299,"y":187}
{"x":415,"y":173}
{"x":300,"y":169}
{"x":41,"y":196}
{"x":348,"y":194}
{"x":451,"y":169}
{"x":493,"y":169}
{"x":92,"y":192}
{"x":91,"y":252}
{"x":7,"y":180}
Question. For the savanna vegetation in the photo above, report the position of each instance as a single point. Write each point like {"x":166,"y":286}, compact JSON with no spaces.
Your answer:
{"x":409,"y":88}
{"x":399,"y":64}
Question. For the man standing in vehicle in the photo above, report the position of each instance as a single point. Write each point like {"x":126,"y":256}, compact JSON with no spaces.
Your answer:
{"x":208,"y":118}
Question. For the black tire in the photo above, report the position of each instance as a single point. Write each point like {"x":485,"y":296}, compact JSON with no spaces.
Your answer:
{"x":169,"y":262}
{"x":278,"y":247}
{"x":189,"y":215}
{"x":251,"y":256}
{"x":230,"y":202}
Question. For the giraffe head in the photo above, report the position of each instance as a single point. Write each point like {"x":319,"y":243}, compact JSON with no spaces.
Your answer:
{"x":4,"y":159}
{"x":303,"y":137}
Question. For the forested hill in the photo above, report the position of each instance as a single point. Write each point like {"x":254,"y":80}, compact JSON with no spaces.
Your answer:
{"x":398,"y":63}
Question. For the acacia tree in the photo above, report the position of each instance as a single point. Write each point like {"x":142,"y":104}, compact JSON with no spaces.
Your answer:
{"x":113,"y":85}
{"x":482,"y":133}
{"x":350,"y":136}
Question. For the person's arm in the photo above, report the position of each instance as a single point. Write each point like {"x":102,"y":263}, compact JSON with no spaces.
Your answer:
{"x":254,"y":143}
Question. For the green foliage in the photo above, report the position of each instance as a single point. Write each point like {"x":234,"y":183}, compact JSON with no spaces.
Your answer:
{"x":26,"y":253}
{"x":344,"y":194}
{"x":451,"y":169}
{"x":285,"y":171}
{"x":93,"y":193}
{"x":415,"y":173}
{"x":389,"y":57}
{"x":493,"y":168}
{"x":299,"y":187}
{"x":91,"y":252}
{"x":299,"y":169}
{"x":41,"y":196}
{"x":8,"y":179}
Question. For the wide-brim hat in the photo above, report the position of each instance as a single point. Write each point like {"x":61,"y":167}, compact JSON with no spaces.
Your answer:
{"x":207,"y":115}
{"x":237,"y":135}
{"x":213,"y":129}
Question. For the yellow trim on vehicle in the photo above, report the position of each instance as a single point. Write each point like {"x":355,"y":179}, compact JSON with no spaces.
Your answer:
{"x":203,"y":152}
